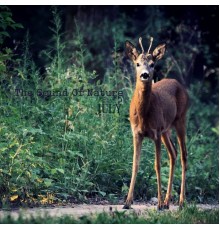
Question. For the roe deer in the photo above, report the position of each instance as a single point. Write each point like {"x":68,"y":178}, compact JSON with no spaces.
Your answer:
{"x":154,"y":110}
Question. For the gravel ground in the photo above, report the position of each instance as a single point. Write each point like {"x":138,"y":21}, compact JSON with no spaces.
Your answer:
{"x":85,"y":209}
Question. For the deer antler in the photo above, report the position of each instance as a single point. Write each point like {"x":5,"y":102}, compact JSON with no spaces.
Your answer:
{"x":140,"y":42}
{"x":151,"y":41}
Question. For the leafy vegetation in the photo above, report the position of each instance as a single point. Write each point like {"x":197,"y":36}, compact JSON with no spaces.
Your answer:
{"x":189,"y":215}
{"x":6,"y":22}
{"x":57,"y":146}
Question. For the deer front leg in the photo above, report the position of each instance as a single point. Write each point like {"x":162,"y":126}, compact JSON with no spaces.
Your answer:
{"x":137,"y":141}
{"x":157,"y":169}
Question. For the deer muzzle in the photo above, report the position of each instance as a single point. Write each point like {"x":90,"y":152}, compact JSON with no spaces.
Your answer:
{"x":144,"y":76}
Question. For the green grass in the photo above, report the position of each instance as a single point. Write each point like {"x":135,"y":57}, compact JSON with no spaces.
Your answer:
{"x":189,"y":215}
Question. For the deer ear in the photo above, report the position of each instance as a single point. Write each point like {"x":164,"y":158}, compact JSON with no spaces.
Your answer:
{"x":131,"y":51}
{"x":159,"y":52}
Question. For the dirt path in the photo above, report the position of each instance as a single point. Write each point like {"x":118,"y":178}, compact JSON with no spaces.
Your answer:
{"x":85,"y":209}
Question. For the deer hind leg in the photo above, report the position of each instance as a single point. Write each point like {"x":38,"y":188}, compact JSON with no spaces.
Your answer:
{"x":172,"y":156}
{"x":181,"y":132}
{"x":137,"y":141}
{"x":157,"y":169}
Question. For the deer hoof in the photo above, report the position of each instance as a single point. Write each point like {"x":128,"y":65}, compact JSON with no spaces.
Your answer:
{"x":166,"y":206}
{"x":182,"y":204}
{"x":159,"y":208}
{"x":127,"y":206}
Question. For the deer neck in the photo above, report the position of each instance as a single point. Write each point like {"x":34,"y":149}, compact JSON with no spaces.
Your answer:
{"x":142,"y":98}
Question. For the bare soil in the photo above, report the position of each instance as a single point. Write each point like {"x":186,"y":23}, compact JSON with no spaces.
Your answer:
{"x":78,"y":210}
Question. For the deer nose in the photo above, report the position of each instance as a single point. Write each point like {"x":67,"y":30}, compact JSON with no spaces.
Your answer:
{"x":144,"y":76}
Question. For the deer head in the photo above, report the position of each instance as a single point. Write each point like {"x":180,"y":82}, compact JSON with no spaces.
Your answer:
{"x":144,"y":62}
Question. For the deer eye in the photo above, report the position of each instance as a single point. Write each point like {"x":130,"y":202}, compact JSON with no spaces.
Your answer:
{"x":151,"y":65}
{"x":138,"y":64}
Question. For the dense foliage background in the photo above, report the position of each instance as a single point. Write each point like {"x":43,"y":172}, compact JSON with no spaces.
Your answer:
{"x":61,"y":148}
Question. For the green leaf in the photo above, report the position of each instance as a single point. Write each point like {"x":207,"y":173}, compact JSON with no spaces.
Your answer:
{"x":18,"y":25}
{"x":75,"y":153}
{"x":53,"y":171}
{"x":60,"y":170}
{"x":32,"y":131}
{"x":102,"y":193}
{"x":4,"y":33}
{"x":2,"y":67}
{"x":48,"y":182}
